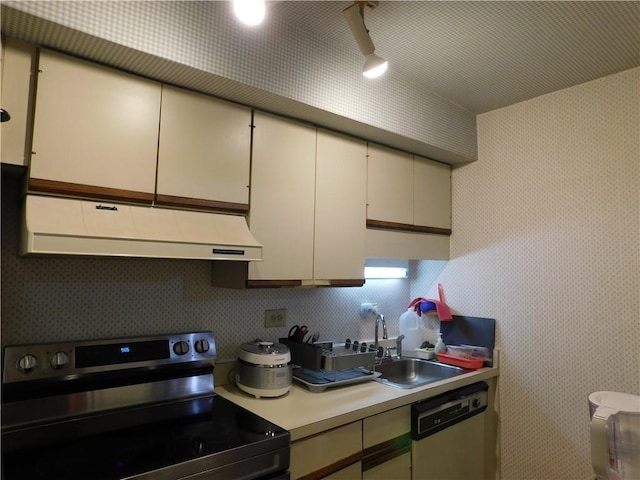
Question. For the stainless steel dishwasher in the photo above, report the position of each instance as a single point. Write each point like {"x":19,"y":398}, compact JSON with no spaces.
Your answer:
{"x":448,"y":435}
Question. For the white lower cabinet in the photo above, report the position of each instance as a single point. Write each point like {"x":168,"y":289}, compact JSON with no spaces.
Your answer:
{"x":387,"y":445}
{"x":398,"y":468}
{"x":333,"y":454}
{"x":348,"y":473}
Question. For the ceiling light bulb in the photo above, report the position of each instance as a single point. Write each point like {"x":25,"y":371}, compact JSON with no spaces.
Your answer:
{"x":374,"y":66}
{"x":249,"y":12}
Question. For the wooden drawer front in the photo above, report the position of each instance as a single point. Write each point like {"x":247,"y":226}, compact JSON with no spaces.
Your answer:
{"x":385,"y":426}
{"x":327,"y":453}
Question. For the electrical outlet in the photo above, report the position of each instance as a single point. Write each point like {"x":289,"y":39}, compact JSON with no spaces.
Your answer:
{"x":367,"y":309}
{"x":275,"y":318}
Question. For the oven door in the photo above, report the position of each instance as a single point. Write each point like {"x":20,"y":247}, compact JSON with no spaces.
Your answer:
{"x":205,"y":438}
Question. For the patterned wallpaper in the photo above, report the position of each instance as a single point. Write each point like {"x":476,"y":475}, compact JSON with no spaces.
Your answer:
{"x":546,"y":234}
{"x":546,"y":240}
{"x":52,"y":299}
{"x":278,"y":67}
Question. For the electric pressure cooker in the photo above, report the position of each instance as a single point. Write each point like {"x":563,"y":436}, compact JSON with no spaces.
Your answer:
{"x":264,"y":369}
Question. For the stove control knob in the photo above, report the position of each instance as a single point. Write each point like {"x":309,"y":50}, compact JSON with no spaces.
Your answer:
{"x":27,"y":363}
{"x":202,"y":345}
{"x":476,"y":402}
{"x":58,"y":360}
{"x":181,"y":348}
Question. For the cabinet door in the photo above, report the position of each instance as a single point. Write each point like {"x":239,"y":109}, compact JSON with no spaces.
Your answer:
{"x":390,"y":185}
{"x":94,"y":127}
{"x":386,"y":426}
{"x":352,"y":472}
{"x":204,"y":151}
{"x":328,"y":453}
{"x":432,"y":193}
{"x":16,"y":81}
{"x":398,"y":468}
{"x":386,"y":439}
{"x":340,"y":207}
{"x":281,"y":216}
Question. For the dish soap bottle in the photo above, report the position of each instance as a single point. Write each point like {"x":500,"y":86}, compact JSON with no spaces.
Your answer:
{"x":440,"y":346}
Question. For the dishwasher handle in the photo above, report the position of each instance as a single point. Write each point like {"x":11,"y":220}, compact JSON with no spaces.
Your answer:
{"x":435,"y":414}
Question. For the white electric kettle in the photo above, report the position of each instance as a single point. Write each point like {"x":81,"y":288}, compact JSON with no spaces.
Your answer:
{"x":615,"y":435}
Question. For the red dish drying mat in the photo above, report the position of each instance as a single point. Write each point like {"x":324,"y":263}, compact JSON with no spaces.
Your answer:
{"x":468,"y":363}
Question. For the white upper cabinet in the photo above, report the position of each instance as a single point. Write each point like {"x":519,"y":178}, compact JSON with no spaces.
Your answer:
{"x":408,"y":206}
{"x":94,"y":127}
{"x":17,"y":60}
{"x":390,"y":185}
{"x":340,"y":213}
{"x":204,"y":152}
{"x":308,"y":193}
{"x":407,"y":192}
{"x":282,"y":198}
{"x":431,"y":193}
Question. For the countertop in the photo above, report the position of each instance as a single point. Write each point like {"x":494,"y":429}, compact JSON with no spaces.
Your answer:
{"x":304,"y":413}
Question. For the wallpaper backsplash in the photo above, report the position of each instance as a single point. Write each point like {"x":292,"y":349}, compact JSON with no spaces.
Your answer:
{"x":51,"y":299}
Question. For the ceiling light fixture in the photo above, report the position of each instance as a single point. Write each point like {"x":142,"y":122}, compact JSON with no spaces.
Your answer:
{"x":384,"y":272}
{"x":250,"y":12}
{"x":374,"y":66}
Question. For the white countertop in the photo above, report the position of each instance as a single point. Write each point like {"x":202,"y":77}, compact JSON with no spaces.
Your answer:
{"x":304,"y":413}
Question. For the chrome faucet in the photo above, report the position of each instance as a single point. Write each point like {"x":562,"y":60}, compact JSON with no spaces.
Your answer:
{"x":385,"y":336}
{"x":399,"y":345}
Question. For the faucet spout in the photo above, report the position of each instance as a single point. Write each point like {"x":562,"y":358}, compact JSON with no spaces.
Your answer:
{"x":399,"y":345}
{"x":385,"y":336}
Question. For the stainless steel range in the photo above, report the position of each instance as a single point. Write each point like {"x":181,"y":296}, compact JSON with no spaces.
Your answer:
{"x":129,"y":408}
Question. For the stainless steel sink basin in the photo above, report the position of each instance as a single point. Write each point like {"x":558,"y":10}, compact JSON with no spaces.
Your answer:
{"x":414,"y":372}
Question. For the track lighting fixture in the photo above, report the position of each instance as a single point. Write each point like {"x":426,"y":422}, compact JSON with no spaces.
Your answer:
{"x":249,"y":12}
{"x":374,"y":66}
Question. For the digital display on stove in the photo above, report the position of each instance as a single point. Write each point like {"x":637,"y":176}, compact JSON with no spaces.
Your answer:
{"x":116,"y":353}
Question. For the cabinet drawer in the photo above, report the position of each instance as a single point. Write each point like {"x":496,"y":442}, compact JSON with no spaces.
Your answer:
{"x":327,"y":453}
{"x":386,"y":426}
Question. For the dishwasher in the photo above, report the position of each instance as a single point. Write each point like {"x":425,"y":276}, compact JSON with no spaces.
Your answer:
{"x":448,"y":435}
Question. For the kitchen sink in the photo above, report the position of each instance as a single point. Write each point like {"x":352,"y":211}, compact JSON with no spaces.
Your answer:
{"x":414,"y":372}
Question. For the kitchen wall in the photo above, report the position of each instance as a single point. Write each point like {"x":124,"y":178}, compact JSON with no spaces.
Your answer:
{"x":51,"y":299}
{"x":546,"y":229}
{"x":278,"y":67}
{"x":546,"y":239}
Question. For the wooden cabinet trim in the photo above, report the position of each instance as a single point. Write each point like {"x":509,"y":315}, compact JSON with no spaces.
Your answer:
{"x":202,"y":204}
{"x":385,"y":451}
{"x":333,"y":468}
{"x":405,"y":227}
{"x":88,"y":191}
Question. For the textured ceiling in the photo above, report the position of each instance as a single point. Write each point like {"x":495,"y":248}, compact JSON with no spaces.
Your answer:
{"x":486,"y":55}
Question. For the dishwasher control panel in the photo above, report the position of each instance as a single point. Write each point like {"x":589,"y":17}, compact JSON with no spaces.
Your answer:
{"x":435,"y":414}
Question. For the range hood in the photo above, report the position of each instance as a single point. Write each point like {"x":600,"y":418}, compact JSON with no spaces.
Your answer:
{"x":62,"y":226}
